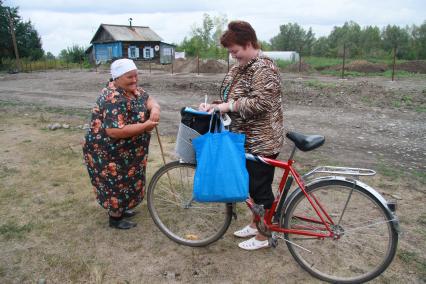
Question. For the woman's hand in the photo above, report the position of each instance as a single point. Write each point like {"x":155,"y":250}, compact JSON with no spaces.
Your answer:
{"x":149,"y":125}
{"x":131,"y":130}
{"x":154,"y":109}
{"x":205,"y":107}
{"x":155,"y":114}
{"x":223,"y":107}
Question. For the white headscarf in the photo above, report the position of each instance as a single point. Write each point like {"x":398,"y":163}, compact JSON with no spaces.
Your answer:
{"x":121,"y":66}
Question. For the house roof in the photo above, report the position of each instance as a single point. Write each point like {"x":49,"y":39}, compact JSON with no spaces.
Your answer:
{"x":127,"y":33}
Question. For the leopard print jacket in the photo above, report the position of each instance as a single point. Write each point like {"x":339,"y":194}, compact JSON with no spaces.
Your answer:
{"x":256,"y":90}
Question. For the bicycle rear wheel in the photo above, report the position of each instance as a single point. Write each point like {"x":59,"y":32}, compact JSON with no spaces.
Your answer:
{"x":180,"y":218}
{"x":365,"y":241}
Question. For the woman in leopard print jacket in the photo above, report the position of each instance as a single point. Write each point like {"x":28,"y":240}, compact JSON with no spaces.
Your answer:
{"x":251,"y":95}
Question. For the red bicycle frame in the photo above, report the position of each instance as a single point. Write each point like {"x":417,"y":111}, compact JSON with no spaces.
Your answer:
{"x":324,"y":218}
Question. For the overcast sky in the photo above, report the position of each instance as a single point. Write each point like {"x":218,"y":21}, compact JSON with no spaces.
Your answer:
{"x":62,"y":23}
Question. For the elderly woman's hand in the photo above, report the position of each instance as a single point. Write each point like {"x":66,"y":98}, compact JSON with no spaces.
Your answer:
{"x":149,"y":125}
{"x":154,"y":109}
{"x":155,"y":114}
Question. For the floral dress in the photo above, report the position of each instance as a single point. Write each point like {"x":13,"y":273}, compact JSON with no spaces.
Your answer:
{"x":117,"y":166}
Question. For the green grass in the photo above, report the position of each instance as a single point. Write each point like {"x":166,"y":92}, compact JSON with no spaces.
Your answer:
{"x":412,"y":259}
{"x":320,"y":63}
{"x":367,"y":100}
{"x":402,"y":100}
{"x":422,"y":219}
{"x":390,"y":172}
{"x":30,"y":66}
{"x":6,"y":171}
{"x":283,"y":63}
{"x":388,"y":61}
{"x":323,"y":62}
{"x":399,"y":74}
{"x":420,"y":108}
{"x":11,"y":230}
{"x":421,"y":177}
{"x":407,"y":256}
{"x":386,"y":74}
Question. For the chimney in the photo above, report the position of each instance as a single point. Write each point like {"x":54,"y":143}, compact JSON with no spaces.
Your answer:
{"x":130,"y":21}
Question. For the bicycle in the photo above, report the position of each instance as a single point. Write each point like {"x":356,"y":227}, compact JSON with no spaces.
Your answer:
{"x":336,"y":227}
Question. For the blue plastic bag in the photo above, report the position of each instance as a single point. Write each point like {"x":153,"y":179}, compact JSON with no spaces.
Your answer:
{"x":221,"y":174}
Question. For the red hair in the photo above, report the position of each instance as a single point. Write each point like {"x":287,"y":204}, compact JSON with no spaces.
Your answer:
{"x":239,"y":33}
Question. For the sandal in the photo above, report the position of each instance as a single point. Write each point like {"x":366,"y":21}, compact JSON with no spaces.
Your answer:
{"x":253,"y":244}
{"x":245,"y":232}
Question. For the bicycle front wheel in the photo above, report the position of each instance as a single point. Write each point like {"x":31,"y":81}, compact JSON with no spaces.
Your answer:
{"x":364,"y":241}
{"x":179,"y":217}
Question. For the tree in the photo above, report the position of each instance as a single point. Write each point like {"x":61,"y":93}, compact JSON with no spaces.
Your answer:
{"x":321,"y":47}
{"x":370,"y":41}
{"x":74,"y":54}
{"x":219,"y":24}
{"x":27,"y":38}
{"x":396,"y":38}
{"x":293,"y":37}
{"x":418,"y":41}
{"x":204,"y":39}
{"x":50,"y":56}
{"x":421,"y":41}
{"x":265,"y":46}
{"x":347,"y":36}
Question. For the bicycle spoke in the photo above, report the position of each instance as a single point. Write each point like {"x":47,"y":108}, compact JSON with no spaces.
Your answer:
{"x":362,"y":223}
{"x":363,"y":244}
{"x":364,"y":234}
{"x":363,"y":241}
{"x":344,"y":208}
{"x":168,"y":201}
{"x":367,"y":226}
{"x":167,"y":190}
{"x":177,"y":215}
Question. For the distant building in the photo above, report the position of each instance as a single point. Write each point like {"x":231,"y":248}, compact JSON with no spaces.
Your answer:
{"x":180,"y":55}
{"x":291,"y":56}
{"x":138,"y":43}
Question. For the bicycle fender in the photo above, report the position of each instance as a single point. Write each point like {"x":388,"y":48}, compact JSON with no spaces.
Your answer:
{"x":369,"y":189}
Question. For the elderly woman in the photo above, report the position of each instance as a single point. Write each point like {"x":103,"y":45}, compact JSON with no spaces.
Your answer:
{"x":251,"y":95}
{"x":116,"y":145}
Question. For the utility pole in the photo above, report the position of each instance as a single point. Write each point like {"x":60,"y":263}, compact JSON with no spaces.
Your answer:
{"x":15,"y":46}
{"x":393,"y":65}
{"x":344,"y":58}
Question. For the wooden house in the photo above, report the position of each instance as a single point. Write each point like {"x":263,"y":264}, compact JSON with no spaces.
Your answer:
{"x":135,"y":42}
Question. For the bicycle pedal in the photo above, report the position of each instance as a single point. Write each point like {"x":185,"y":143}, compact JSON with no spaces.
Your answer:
{"x":273,"y":242}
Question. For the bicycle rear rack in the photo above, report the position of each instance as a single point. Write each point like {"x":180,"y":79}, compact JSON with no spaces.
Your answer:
{"x":345,"y":171}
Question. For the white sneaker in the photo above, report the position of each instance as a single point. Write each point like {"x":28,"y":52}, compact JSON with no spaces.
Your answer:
{"x":253,"y":244}
{"x":245,"y":232}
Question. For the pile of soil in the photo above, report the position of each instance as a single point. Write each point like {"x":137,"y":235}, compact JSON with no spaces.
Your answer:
{"x":362,"y":66}
{"x":415,"y":66}
{"x":205,"y":65}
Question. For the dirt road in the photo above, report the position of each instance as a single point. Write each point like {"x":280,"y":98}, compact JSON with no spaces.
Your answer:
{"x":357,"y":116}
{"x":367,"y":122}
